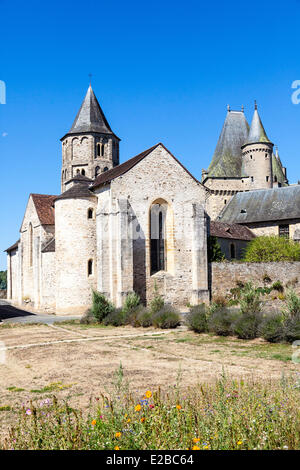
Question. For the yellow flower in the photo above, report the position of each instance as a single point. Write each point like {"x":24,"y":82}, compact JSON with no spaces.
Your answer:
{"x":196,"y":439}
{"x":148,"y":394}
{"x":205,"y":447}
{"x":128,"y":421}
{"x":126,"y":415}
{"x":178,"y":407}
{"x":239,"y":443}
{"x":94,"y":422}
{"x":138,"y":408}
{"x":118,"y":434}
{"x":117,"y":448}
{"x":195,"y":448}
{"x":142,"y":420}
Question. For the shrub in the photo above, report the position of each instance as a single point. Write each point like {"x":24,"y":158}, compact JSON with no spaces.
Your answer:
{"x":292,"y":303}
{"x":291,"y":328}
{"x":277,"y":285}
{"x":250,"y":299}
{"x":142,"y":318}
{"x":246,"y":325}
{"x":196,"y":319}
{"x":88,"y":318}
{"x":266,"y":278}
{"x":115,"y":318}
{"x":214,"y":250}
{"x":101,"y":307}
{"x":166,"y":317}
{"x":156,"y":304}
{"x":271,"y":328}
{"x":221,"y":321}
{"x":272,"y":248}
{"x":132,"y":301}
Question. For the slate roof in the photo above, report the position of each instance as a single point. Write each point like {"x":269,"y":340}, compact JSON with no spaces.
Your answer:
{"x":227,"y":159}
{"x":120,"y":170}
{"x":80,"y":178}
{"x":79,"y":190}
{"x":277,"y":170}
{"x":231,"y":231}
{"x":49,"y":247}
{"x":90,"y":117}
{"x":263,"y":206}
{"x":257,"y":132}
{"x":12,"y":247}
{"x":44,"y":208}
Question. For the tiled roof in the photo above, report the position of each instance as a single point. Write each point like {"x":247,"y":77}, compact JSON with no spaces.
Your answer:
{"x":263,"y":205}
{"x":257,"y":132}
{"x":119,"y":170}
{"x":79,"y":177}
{"x":235,"y":231}
{"x":44,"y":208}
{"x":12,"y":247}
{"x":77,"y":191}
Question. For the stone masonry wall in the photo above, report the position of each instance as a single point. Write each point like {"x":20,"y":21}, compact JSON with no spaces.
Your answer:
{"x":225,"y":275}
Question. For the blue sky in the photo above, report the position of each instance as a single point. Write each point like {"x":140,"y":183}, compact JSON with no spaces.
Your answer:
{"x":162,"y":71}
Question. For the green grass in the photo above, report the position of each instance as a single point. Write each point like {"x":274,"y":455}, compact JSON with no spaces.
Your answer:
{"x":52,"y":387}
{"x":228,"y":414}
{"x":5,"y":408}
{"x":15,"y":389}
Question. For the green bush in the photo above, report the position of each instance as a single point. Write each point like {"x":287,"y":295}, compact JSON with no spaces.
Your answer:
{"x":272,"y":248}
{"x":271,"y":328}
{"x":214,"y":250}
{"x":250,"y":299}
{"x":142,"y":317}
{"x":246,"y":325}
{"x":292,"y":304}
{"x":291,"y":328}
{"x":221,"y":321}
{"x":196,"y":319}
{"x":101,"y":307}
{"x":277,"y":285}
{"x":115,"y":318}
{"x":166,"y":317}
{"x":131,"y":303}
{"x":88,"y":318}
{"x":156,"y":304}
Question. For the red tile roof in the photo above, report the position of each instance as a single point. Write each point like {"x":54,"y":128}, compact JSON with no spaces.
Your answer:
{"x":44,"y":208}
{"x":235,"y":231}
{"x":119,"y":170}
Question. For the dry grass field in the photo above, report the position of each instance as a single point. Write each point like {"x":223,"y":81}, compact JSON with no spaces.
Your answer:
{"x":77,"y":362}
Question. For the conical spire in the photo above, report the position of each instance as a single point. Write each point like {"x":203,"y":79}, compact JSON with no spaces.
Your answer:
{"x":90,"y":117}
{"x":257,"y":132}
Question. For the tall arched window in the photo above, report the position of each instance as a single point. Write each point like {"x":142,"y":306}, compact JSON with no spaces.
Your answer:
{"x":102,"y":150}
{"x":30,"y":243}
{"x":99,"y":145}
{"x":157,"y":235}
{"x":90,"y":213}
{"x":232,"y":251}
{"x":90,"y":267}
{"x":83,"y":172}
{"x":97,"y":171}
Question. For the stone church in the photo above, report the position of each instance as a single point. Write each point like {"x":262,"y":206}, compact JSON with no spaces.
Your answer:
{"x":138,"y":226}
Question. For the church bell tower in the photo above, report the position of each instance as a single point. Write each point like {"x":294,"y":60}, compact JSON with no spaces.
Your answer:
{"x":90,"y":147}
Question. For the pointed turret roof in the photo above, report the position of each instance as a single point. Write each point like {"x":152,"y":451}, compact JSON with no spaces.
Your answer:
{"x":257,"y":132}
{"x":90,"y":117}
{"x":227,"y":159}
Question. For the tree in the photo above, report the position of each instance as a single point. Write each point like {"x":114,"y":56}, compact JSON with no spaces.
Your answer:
{"x":272,"y":248}
{"x":214,"y":250}
{"x":3,"y":280}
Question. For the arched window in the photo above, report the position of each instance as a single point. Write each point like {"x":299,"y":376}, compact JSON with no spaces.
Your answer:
{"x":275,"y":179}
{"x":157,"y":234}
{"x":105,"y":169}
{"x":97,"y":171}
{"x":90,"y":267}
{"x":102,"y":150}
{"x":30,"y":243}
{"x":83,"y":172}
{"x":232,"y":251}
{"x":99,"y":145}
{"x":90,"y":213}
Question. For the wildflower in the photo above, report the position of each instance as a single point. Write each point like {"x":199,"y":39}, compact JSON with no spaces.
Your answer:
{"x":178,"y":407}
{"x":196,"y":439}
{"x":148,"y":394}
{"x":117,"y":448}
{"x":138,"y":408}
{"x":142,"y":420}
{"x":94,"y":422}
{"x":195,"y":448}
{"x":239,"y":443}
{"x":118,"y":434}
{"x":128,"y":421}
{"x":151,"y":406}
{"x":205,"y":447}
{"x":28,"y":411}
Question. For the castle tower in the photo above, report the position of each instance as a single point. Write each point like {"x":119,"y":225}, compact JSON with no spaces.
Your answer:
{"x":90,"y":147}
{"x":257,"y":156}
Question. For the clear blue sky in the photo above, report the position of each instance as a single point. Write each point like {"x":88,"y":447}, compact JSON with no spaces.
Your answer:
{"x":162,"y":71}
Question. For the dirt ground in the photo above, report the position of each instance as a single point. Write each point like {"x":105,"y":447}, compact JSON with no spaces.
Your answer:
{"x":77,"y":361}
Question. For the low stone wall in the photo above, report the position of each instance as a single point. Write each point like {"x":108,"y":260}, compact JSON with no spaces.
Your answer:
{"x":226,"y":275}
{"x":3,"y":294}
